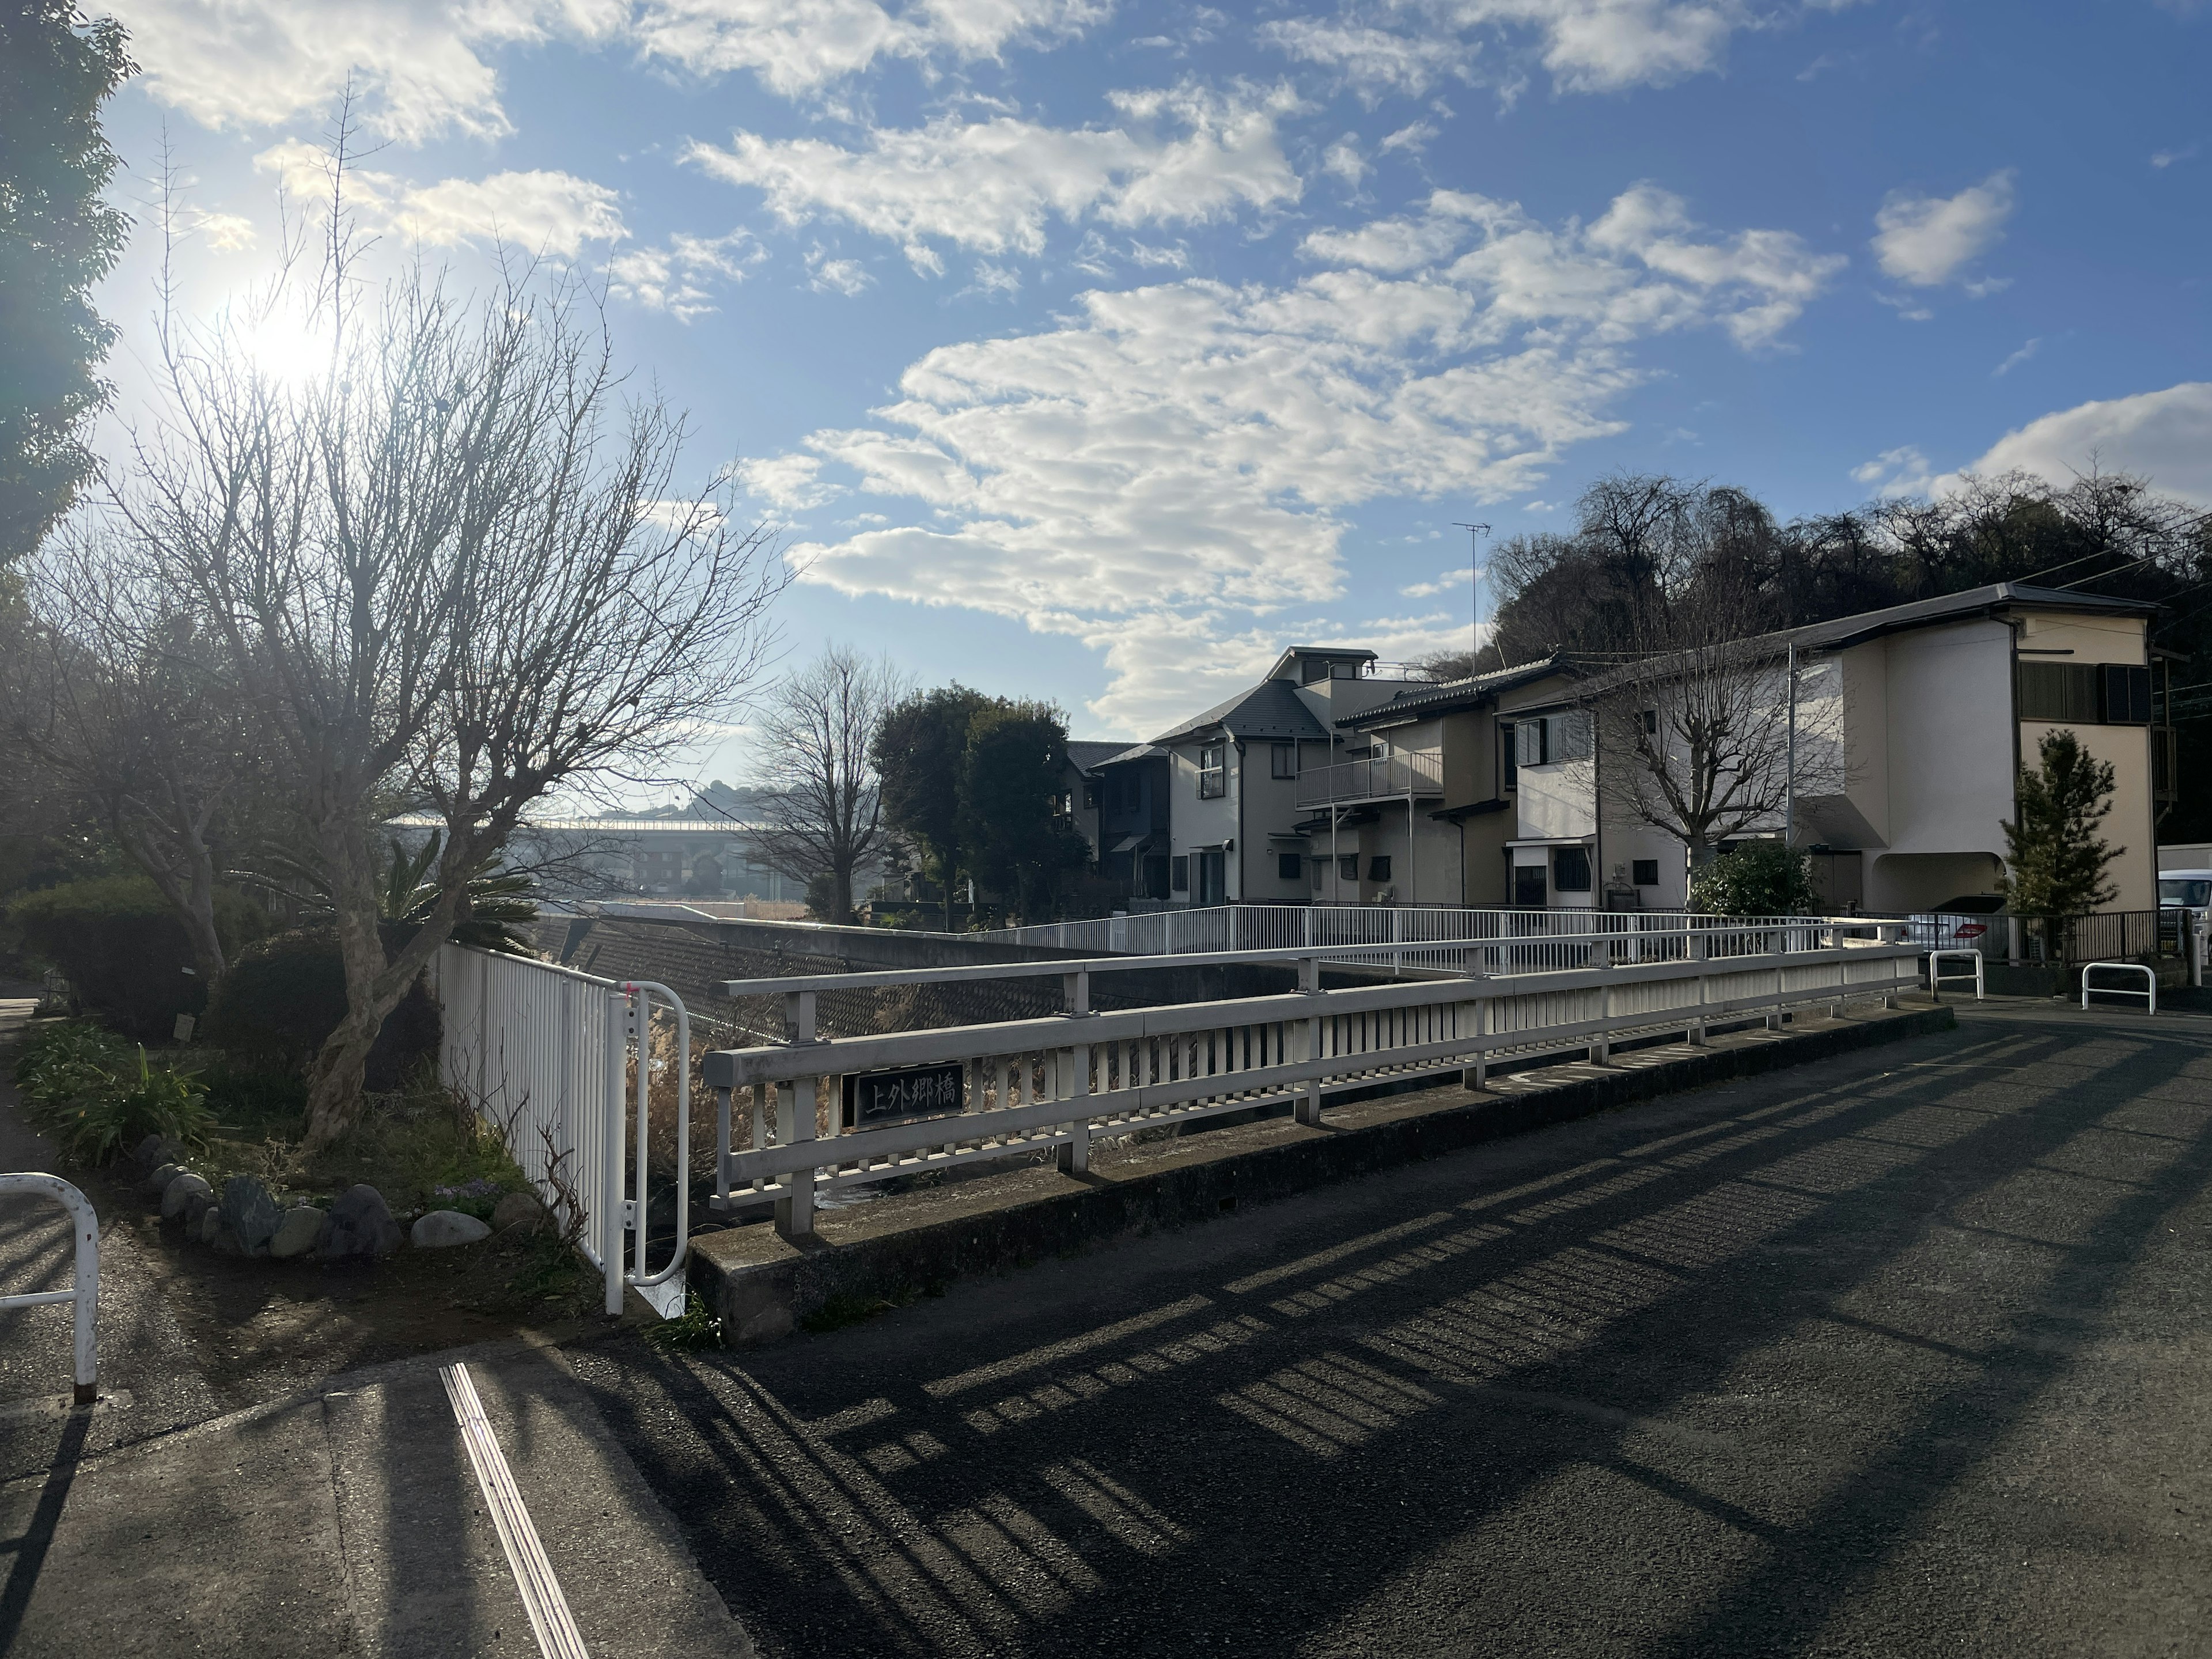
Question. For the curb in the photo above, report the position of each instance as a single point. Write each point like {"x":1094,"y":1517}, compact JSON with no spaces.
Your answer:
{"x":762,"y":1301}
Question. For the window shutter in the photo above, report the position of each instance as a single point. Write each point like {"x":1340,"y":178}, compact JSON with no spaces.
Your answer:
{"x":1529,"y":743}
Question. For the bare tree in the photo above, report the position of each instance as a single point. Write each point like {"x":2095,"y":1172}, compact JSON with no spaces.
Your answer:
{"x":121,"y":700}
{"x":453,"y":564}
{"x":1698,"y":734}
{"x":819,"y":797}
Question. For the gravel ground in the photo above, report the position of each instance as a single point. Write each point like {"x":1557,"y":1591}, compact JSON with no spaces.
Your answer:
{"x":1900,"y":1354}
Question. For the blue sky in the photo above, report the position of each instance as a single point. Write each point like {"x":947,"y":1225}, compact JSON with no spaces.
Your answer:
{"x":1095,"y":350}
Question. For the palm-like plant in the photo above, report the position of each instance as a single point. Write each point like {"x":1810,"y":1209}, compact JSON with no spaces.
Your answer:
{"x":494,"y":900}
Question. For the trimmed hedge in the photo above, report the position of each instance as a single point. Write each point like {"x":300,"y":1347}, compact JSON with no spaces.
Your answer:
{"x":123,"y":949}
{"x":285,"y":994}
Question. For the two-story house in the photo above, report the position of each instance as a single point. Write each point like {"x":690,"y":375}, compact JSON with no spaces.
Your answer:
{"x":1237,"y":831}
{"x":1910,"y":726}
{"x":1421,"y":808}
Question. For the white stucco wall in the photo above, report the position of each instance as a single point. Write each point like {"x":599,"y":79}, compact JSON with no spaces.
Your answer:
{"x":1950,"y":738}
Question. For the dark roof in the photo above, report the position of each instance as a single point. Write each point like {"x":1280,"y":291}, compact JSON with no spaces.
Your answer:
{"x":1133,"y":752}
{"x":1269,"y":710}
{"x":1954,"y":607}
{"x":1845,"y":632}
{"x":1088,"y":754}
{"x":1454,"y":694}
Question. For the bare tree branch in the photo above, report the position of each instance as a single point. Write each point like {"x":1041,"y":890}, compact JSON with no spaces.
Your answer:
{"x":819,"y":796}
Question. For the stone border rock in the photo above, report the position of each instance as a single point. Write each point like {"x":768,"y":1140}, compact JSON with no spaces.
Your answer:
{"x":245,"y":1219}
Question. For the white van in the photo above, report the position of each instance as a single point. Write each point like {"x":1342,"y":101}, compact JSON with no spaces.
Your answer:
{"x":2185,"y":889}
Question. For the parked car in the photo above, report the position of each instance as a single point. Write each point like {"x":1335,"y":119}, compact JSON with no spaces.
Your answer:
{"x":1957,"y":923}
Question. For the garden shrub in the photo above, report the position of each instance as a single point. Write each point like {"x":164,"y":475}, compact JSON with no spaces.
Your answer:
{"x":285,"y":994}
{"x":99,"y":1096}
{"x":123,"y":949}
{"x":1759,"y":878}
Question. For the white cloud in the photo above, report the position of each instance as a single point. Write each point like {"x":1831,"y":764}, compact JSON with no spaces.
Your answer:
{"x":1372,"y":61}
{"x":1641,"y":268}
{"x":555,"y":213}
{"x":1165,"y":474}
{"x":798,"y":46}
{"x":992,"y":186}
{"x":1412,"y":138}
{"x":679,"y":276}
{"x":2167,"y":435}
{"x":1446,"y":581}
{"x":2017,"y":358}
{"x":420,"y":65}
{"x":1894,"y":472}
{"x":789,"y":483}
{"x":1344,"y":160}
{"x":1605,"y":46}
{"x":2166,"y":158}
{"x":1928,"y":240}
{"x":223,"y":232}
{"x":829,"y":276}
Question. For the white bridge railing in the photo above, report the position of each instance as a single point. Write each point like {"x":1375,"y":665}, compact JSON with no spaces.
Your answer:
{"x":829,"y":1115}
{"x":1401,"y":937}
{"x":561,"y":1063}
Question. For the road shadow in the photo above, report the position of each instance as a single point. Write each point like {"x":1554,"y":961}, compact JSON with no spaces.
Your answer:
{"x":1550,"y":1418}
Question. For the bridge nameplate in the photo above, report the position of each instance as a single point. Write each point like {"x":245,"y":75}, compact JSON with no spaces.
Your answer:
{"x":873,"y":1098}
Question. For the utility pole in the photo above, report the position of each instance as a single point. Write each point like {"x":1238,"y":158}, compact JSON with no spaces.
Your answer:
{"x":1790,"y":776}
{"x":1474,"y":587}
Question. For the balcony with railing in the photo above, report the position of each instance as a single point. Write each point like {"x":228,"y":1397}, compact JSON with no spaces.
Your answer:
{"x":1383,"y":777}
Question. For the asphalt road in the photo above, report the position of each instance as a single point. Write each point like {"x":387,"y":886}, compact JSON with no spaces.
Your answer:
{"x":1903,"y":1354}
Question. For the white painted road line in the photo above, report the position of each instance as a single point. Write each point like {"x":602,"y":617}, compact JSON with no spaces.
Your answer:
{"x":550,"y":1618}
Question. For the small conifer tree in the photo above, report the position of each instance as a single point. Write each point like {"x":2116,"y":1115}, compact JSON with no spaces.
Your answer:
{"x":2055,"y":860}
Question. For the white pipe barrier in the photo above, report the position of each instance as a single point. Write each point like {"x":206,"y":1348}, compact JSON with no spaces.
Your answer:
{"x":85,"y":1291}
{"x":1936,"y":977}
{"x":2150,"y":979}
{"x":1060,"y":1082}
{"x":540,"y":1052}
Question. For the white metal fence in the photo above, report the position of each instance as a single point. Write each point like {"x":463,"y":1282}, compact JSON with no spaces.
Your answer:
{"x":1059,"y":1083}
{"x":1447,"y":939}
{"x":545,"y":1053}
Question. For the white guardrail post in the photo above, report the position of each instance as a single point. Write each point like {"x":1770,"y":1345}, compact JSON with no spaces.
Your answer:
{"x":1935,"y":976}
{"x":2150,"y":979}
{"x":85,"y":1291}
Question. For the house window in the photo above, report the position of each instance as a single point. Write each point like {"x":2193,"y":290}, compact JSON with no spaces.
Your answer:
{"x":1213,"y":771}
{"x":1529,"y":886}
{"x":1347,"y":867}
{"x":1287,"y":866}
{"x":1646,"y":873}
{"x":2084,"y":694}
{"x":1378,"y":867}
{"x":1565,"y":736}
{"x":1650,"y":722}
{"x":1283,"y":759}
{"x":1090,"y":791}
{"x":1505,"y":749}
{"x":2058,"y":692}
{"x":2127,"y":694}
{"x":1571,"y":872}
{"x":1179,"y":873}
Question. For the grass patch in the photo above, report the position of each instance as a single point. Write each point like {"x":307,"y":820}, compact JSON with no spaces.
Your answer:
{"x":845,"y":1308}
{"x":699,"y":1330}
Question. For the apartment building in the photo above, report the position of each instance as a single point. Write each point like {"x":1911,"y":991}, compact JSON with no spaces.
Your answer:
{"x":1911,"y":726}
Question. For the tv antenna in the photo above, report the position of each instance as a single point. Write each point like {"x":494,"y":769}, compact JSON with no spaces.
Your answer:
{"x":1475,"y":583}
